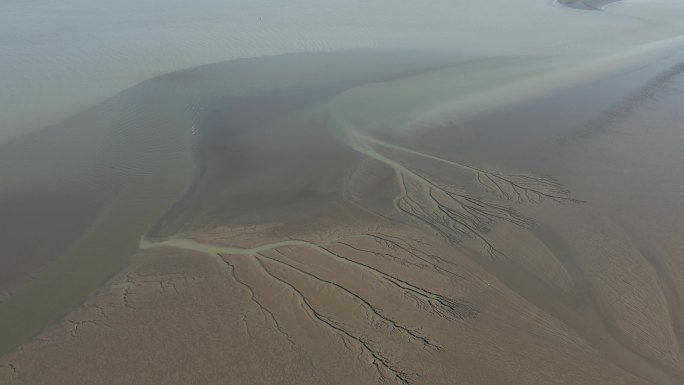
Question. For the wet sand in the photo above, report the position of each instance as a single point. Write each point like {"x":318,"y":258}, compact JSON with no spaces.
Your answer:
{"x":482,"y":251}
{"x":430,"y":219}
{"x":131,"y":160}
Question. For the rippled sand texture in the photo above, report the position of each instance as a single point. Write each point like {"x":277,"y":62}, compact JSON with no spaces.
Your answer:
{"x":314,"y":247}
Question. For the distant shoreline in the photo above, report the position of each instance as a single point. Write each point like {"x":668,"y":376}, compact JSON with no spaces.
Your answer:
{"x":593,"y":5}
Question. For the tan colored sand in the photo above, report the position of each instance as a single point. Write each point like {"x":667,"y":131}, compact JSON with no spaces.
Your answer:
{"x":295,"y":315}
{"x":414,"y":267}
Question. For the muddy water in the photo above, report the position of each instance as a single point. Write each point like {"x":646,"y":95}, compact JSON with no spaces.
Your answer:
{"x":119,"y":167}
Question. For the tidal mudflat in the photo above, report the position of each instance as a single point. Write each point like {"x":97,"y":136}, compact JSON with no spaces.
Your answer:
{"x":367,"y":216}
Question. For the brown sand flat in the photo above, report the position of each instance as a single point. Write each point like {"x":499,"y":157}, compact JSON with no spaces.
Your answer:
{"x":357,"y":298}
{"x":82,"y":193}
{"x":509,"y":256}
{"x":295,"y":315}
